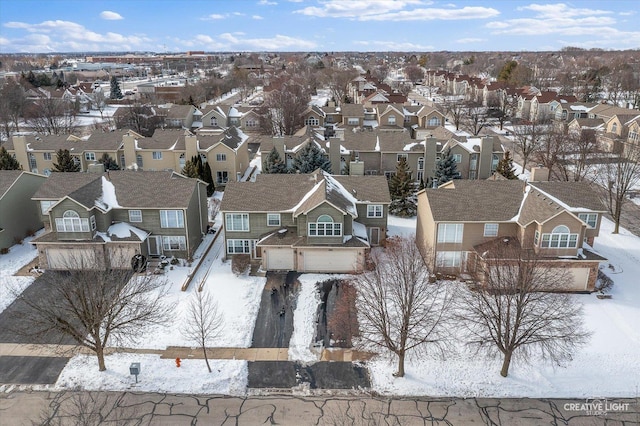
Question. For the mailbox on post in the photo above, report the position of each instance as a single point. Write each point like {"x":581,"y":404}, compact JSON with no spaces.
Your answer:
{"x":134,"y":369}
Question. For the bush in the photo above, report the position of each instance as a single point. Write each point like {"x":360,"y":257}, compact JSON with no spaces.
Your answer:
{"x":240,"y":263}
{"x":603,"y":283}
{"x":4,"y":250}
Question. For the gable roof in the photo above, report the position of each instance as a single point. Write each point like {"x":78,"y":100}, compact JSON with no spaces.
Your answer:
{"x":133,"y":189}
{"x":298,"y":193}
{"x":574,"y":196}
{"x":476,"y":201}
{"x":7,"y":179}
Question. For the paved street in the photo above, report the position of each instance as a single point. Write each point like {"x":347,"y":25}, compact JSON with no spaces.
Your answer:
{"x":130,"y":408}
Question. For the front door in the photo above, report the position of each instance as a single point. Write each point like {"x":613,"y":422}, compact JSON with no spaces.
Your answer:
{"x":374,"y":236}
{"x":155,"y":245}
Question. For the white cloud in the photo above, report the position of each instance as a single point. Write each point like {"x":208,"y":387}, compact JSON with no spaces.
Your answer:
{"x":257,"y":17}
{"x":214,"y":17}
{"x":389,"y":10}
{"x":470,"y":40}
{"x":267,"y":3}
{"x":110,"y":16}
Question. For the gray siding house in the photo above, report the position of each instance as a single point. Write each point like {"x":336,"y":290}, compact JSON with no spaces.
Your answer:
{"x":101,"y":220}
{"x":306,"y":222}
{"x":18,"y":213}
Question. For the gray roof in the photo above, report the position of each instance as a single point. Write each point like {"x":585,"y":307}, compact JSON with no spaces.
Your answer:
{"x":134,"y":189}
{"x":577,"y":195}
{"x":476,"y":201}
{"x":289,"y":192}
{"x":97,"y":141}
{"x":7,"y":178}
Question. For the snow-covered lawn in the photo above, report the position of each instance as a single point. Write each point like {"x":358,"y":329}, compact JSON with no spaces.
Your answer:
{"x":156,"y":375}
{"x":18,"y":256}
{"x":609,"y":365}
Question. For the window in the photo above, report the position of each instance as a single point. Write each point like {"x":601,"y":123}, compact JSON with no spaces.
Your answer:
{"x":182,"y":161}
{"x":45,"y":206}
{"x":222,"y":177}
{"x":139,"y":160}
{"x":374,"y":210}
{"x":389,"y":174}
{"x":252,"y":122}
{"x":71,"y":222}
{"x":591,"y":219}
{"x":421,"y":163}
{"x":123,"y":161}
{"x":174,"y":243}
{"x":325,"y":227}
{"x":156,"y":155}
{"x":171,"y":219}
{"x":614,"y":128}
{"x":433,"y":122}
{"x":46,"y":172}
{"x":400,"y":156}
{"x":46,"y":155}
{"x":221,"y":157}
{"x":90,"y":156}
{"x":559,"y":238}
{"x":449,"y":259}
{"x":450,"y":232}
{"x":238,"y":246}
{"x":312,"y":121}
{"x":135,"y":215}
{"x":273,"y":219}
{"x":490,"y":229}
{"x":457,"y":158}
{"x":351,"y":121}
{"x":391,"y":120}
{"x":214,"y":121}
{"x":92,"y":222}
{"x":494,"y":162}
{"x":237,"y":221}
{"x":32,"y":161}
{"x":536,"y":238}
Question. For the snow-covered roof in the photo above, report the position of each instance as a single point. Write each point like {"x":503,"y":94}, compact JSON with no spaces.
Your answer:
{"x":122,"y":230}
{"x":359,"y":230}
{"x":107,"y":199}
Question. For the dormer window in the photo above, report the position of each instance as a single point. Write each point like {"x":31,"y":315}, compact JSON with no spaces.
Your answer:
{"x":560,"y":237}
{"x":71,"y":222}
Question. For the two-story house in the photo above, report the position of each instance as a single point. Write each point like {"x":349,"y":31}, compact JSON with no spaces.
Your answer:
{"x":101,"y":220}
{"x":458,"y":222}
{"x":306,"y":222}
{"x":18,"y":212}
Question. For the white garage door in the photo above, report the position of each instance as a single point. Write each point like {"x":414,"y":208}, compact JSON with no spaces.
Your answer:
{"x":120,"y":257}
{"x":68,"y":259}
{"x":330,"y":261}
{"x":279,"y":259}
{"x":580,"y":278}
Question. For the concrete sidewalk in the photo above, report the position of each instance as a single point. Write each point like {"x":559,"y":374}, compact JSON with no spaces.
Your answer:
{"x":172,"y":352}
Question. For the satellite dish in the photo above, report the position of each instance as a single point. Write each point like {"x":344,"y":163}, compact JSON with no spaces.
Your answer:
{"x":138,"y":263}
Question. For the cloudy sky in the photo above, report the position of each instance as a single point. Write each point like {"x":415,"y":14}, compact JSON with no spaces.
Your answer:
{"x":315,"y":25}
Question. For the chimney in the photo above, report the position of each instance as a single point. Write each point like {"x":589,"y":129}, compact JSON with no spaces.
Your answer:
{"x":539,"y":174}
{"x":334,"y":156}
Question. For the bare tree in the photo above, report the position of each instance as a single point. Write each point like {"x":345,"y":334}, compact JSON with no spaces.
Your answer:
{"x":400,"y":310}
{"x":455,"y":110}
{"x":99,"y":102}
{"x":51,"y":116}
{"x":501,"y":106}
{"x":338,"y":81}
{"x":342,"y":323}
{"x":283,"y":110}
{"x":527,"y":138}
{"x":585,"y":147}
{"x":414,"y":73}
{"x":474,"y":118}
{"x":618,"y":175}
{"x":517,"y":312}
{"x":94,"y":307}
{"x":204,"y":322}
{"x":12,"y":103}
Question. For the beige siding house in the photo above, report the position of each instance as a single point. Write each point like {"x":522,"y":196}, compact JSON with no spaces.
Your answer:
{"x":306,"y":222}
{"x":458,"y":222}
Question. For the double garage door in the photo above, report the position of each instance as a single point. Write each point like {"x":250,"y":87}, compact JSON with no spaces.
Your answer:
{"x":70,"y":259}
{"x":323,"y":260}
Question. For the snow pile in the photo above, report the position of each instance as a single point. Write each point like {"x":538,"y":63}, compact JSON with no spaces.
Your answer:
{"x":304,"y":319}
{"x":228,"y":377}
{"x":107,"y":200}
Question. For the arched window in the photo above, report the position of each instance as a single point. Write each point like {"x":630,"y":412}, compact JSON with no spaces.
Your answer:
{"x":433,"y":122}
{"x":325,"y":227}
{"x":71,"y":222}
{"x":70,"y":213}
{"x":560,"y":237}
{"x":312,"y":121}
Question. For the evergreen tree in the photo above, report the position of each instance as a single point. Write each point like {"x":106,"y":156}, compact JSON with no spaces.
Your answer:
{"x":109,"y":163}
{"x":208,"y":177}
{"x":190,"y":169}
{"x":310,"y":158}
{"x":116,"y":93}
{"x":7,"y":162}
{"x":446,"y":168}
{"x":402,"y":190}
{"x":64,"y":162}
{"x":505,"y":166}
{"x":273,"y":163}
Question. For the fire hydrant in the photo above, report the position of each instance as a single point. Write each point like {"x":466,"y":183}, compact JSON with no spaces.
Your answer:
{"x":178,"y":362}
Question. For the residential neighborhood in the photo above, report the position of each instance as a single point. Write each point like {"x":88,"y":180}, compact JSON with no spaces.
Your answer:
{"x":346,"y":224}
